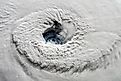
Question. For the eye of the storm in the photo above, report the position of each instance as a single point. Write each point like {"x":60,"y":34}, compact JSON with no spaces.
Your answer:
{"x":52,"y":35}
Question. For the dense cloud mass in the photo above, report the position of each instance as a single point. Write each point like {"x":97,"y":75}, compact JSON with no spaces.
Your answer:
{"x":32,"y":35}
{"x":55,"y":43}
{"x":76,"y":54}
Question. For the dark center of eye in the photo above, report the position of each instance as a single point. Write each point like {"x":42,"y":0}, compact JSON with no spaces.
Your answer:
{"x":52,"y":34}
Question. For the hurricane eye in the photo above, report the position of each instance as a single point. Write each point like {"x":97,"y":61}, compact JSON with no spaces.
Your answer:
{"x":52,"y":35}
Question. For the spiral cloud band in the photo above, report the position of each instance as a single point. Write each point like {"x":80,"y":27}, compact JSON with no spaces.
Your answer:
{"x":58,"y":40}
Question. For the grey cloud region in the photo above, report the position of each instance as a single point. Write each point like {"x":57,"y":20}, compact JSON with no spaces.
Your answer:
{"x":89,"y":33}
